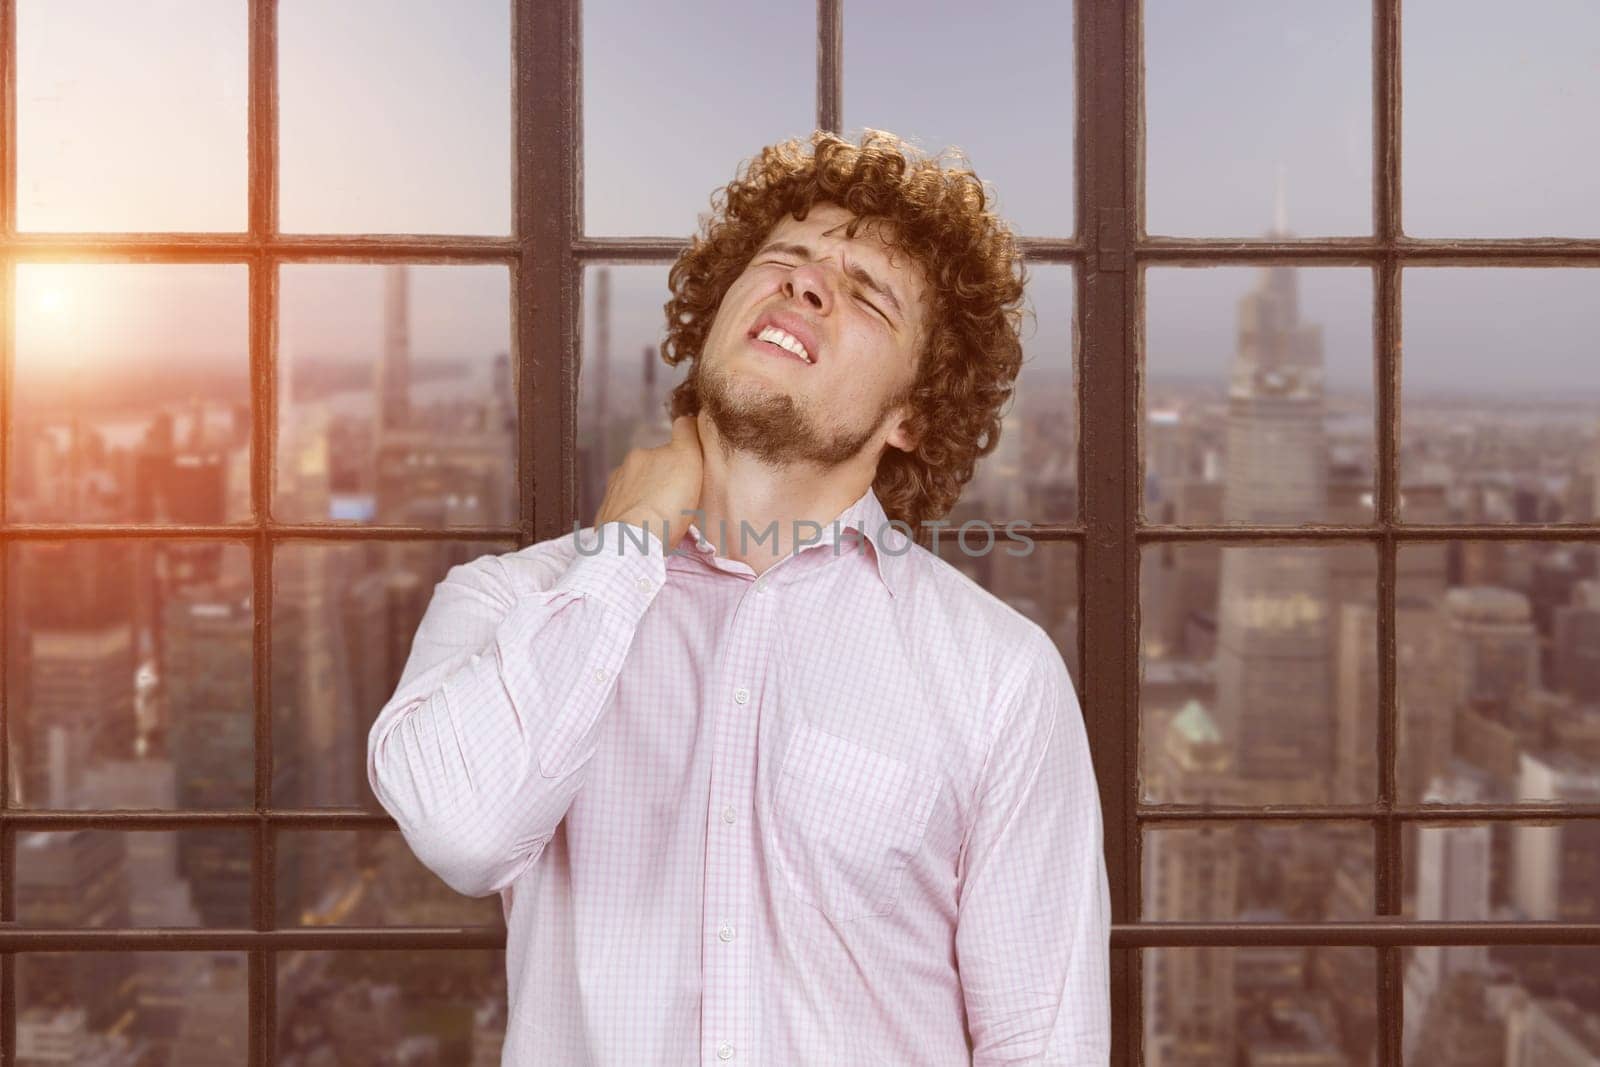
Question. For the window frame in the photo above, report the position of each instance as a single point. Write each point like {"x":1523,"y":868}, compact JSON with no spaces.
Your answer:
{"x":547,"y":254}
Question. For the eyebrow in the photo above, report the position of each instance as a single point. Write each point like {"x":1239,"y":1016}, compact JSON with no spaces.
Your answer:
{"x":854,"y":271}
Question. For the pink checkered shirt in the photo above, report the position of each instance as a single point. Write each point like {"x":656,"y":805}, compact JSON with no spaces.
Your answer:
{"x":840,"y":814}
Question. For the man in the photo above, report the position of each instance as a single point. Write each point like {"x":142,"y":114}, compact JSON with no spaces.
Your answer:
{"x":760,"y":779}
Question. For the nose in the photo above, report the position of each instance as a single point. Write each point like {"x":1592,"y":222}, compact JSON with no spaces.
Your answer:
{"x":808,"y":283}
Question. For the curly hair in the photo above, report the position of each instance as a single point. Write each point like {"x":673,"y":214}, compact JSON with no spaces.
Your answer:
{"x":971,"y":351}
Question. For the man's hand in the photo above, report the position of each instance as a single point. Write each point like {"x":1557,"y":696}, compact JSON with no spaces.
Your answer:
{"x":658,"y":486}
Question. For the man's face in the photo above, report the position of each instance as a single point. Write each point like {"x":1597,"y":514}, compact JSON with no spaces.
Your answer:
{"x":858,"y":308}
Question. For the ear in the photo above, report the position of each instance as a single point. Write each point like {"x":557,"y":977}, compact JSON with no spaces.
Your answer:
{"x":903,"y":435}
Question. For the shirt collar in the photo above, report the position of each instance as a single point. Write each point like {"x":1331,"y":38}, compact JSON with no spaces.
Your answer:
{"x":864,"y":519}
{"x":889,"y":543}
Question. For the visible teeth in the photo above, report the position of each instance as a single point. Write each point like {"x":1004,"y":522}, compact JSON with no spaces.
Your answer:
{"x":786,"y":341}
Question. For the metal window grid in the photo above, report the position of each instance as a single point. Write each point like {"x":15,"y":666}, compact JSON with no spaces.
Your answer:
{"x":546,"y":255}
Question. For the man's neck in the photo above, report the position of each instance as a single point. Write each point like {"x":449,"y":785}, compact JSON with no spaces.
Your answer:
{"x":744,"y":500}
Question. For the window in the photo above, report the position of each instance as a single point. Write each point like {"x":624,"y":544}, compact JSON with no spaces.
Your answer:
{"x":346,"y":294}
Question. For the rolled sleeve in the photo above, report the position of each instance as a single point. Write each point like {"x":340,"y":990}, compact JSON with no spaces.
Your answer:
{"x":1034,"y":901}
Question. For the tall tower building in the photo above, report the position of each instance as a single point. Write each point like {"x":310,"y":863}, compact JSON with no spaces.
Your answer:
{"x":1576,"y":643}
{"x":76,"y":878}
{"x":1189,"y":997}
{"x":1453,"y":878}
{"x":206,"y":661}
{"x":1273,"y":642}
{"x":1496,"y":646}
{"x":1556,"y":867}
{"x":394,"y":367}
{"x":602,"y":351}
{"x":595,"y":421}
{"x":74,"y":633}
{"x":651,"y":409}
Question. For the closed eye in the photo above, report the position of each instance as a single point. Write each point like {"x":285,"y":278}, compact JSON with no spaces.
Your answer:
{"x":856,"y":293}
{"x":874,"y":307}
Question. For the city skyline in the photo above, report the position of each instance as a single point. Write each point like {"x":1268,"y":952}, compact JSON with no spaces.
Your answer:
{"x":131,"y":663}
{"x":440,"y":455}
{"x":1211,"y":179}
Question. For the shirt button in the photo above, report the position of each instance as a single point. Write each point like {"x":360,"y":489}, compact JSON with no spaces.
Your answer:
{"x":726,"y":933}
{"x":727,"y":813}
{"x":643,"y":584}
{"x":761,"y":585}
{"x":599,"y":674}
{"x":741,"y":695}
{"x":724,"y":1051}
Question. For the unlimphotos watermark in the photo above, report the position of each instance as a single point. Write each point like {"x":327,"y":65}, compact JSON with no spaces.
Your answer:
{"x":974,"y":537}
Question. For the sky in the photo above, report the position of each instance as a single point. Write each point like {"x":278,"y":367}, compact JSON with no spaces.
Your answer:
{"x":396,"y":116}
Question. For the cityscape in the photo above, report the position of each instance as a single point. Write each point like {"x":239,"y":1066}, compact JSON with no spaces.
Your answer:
{"x":1259,"y":687}
{"x":129,"y":684}
{"x":130,"y":673}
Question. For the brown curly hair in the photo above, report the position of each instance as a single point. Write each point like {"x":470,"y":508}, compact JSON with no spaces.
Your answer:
{"x":972,"y":349}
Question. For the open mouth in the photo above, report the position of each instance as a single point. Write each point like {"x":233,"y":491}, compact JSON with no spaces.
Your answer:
{"x":782,"y":343}
{"x":777,"y":350}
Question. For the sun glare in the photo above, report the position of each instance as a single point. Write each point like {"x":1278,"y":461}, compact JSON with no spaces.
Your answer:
{"x":52,"y":300}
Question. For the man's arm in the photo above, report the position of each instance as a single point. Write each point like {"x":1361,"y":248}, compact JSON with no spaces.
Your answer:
{"x":487,"y":739}
{"x":1033,"y":928}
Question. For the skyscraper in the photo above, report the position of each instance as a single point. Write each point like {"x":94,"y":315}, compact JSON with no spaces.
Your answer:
{"x":1189,"y":996}
{"x":394,"y":368}
{"x":1274,"y":674}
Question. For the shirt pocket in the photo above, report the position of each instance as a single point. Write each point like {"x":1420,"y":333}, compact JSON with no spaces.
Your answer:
{"x":846,"y":822}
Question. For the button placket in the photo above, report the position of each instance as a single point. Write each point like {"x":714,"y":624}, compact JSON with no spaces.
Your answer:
{"x":726,"y":1002}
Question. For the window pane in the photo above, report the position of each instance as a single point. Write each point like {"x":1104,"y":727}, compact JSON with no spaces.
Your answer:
{"x":1010,"y":109}
{"x":1500,"y":395}
{"x":1033,"y":472}
{"x":128,"y":674}
{"x":1501,"y":1004}
{"x":397,"y":396}
{"x":116,"y":879}
{"x":1258,"y":403}
{"x":132,"y":1007}
{"x":1475,"y":872}
{"x":344,"y":617}
{"x":624,"y":386}
{"x":395,"y":117}
{"x":1267,"y":1003}
{"x":1262,"y":872}
{"x":1258,"y":117}
{"x":1499,"y":677}
{"x":131,"y":394}
{"x":1496,"y":109}
{"x":368,"y":878}
{"x":391,"y":1006}
{"x":1258,"y":667}
{"x":675,"y":96}
{"x":131,"y":116}
{"x":1037,"y":578}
